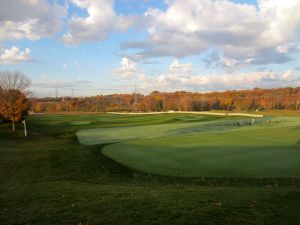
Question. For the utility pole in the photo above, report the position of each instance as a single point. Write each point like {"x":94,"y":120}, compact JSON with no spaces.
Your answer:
{"x":135,"y":98}
{"x":185,"y":103}
{"x":164,"y":103}
{"x":55,"y":92}
{"x":118,"y":104}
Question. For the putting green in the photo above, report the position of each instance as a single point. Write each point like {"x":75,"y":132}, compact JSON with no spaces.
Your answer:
{"x":217,"y":148}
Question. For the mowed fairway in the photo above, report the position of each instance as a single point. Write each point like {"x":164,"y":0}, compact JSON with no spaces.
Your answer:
{"x":170,"y":127}
{"x":212,"y":148}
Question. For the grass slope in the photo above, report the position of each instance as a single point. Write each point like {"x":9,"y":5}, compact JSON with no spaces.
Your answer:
{"x":50,"y":179}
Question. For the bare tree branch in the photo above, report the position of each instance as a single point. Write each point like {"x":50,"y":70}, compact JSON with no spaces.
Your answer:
{"x":14,"y":81}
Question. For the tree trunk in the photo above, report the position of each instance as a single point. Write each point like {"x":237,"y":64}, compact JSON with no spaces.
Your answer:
{"x":25,"y":129}
{"x":13,"y":126}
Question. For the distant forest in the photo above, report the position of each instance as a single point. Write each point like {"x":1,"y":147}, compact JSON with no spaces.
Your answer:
{"x":256,"y":100}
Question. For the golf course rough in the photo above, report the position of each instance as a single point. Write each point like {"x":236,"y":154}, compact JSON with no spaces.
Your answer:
{"x":229,"y":147}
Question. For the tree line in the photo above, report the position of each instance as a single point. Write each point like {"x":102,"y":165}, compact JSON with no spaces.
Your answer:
{"x":250,"y":100}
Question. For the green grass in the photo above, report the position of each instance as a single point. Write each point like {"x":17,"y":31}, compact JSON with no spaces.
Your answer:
{"x":213,"y":147}
{"x":251,"y":153}
{"x":120,"y":134}
{"x":172,"y":127}
{"x":49,"y":178}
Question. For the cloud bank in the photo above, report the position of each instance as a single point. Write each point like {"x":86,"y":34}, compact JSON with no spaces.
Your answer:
{"x":243,"y":34}
{"x":181,"y":77}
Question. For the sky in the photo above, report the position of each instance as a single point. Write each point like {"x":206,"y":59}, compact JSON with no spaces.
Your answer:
{"x":90,"y":47}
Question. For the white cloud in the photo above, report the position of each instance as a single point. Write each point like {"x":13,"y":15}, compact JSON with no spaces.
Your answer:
{"x":228,"y":81}
{"x":244,"y":34}
{"x":101,"y":21}
{"x":178,"y":69}
{"x":14,"y":55}
{"x":64,"y":66}
{"x":171,"y":81}
{"x":128,"y":70}
{"x":180,"y":76}
{"x":30,"y":19}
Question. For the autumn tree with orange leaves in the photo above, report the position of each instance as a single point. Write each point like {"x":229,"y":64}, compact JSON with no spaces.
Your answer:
{"x":13,"y":96}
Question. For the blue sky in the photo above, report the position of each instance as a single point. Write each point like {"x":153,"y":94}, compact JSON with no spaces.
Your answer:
{"x":89,"y":47}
